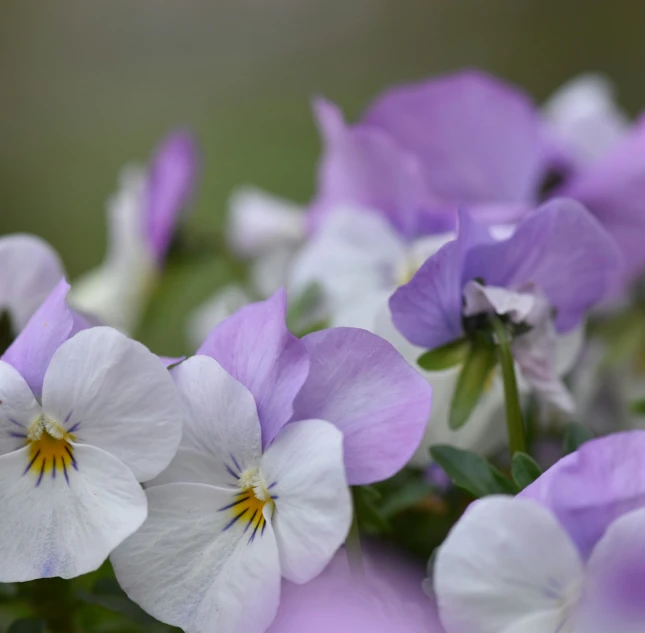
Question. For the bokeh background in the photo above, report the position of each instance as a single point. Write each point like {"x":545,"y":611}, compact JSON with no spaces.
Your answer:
{"x":87,"y":86}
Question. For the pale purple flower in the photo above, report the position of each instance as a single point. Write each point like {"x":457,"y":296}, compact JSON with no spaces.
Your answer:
{"x":559,"y":259}
{"x":567,"y":555}
{"x":469,"y":140}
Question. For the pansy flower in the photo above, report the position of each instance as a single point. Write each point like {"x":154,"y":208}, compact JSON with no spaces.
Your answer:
{"x":540,"y":281}
{"x":85,"y":415}
{"x":275,"y":428}
{"x":142,"y":219}
{"x":567,"y":555}
{"x":31,"y":268}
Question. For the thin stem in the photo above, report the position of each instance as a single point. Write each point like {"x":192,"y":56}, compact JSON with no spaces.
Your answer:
{"x":353,"y":544}
{"x":514,"y":422}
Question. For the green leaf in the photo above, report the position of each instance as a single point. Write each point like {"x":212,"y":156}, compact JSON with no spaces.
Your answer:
{"x":471,"y":471}
{"x":575,"y":435}
{"x":27,"y":625}
{"x":370,"y":516}
{"x":472,"y":381}
{"x":525,"y":470}
{"x":638,"y":407}
{"x":446,"y":356}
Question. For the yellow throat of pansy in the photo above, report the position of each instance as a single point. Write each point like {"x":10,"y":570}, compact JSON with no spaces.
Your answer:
{"x":51,"y":452}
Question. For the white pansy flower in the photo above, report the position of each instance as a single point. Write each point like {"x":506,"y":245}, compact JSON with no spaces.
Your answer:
{"x":70,"y":461}
{"x":228,"y":519}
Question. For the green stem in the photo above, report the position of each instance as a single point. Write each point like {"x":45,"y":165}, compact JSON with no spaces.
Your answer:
{"x":353,"y":543}
{"x":53,"y":601}
{"x":514,"y":422}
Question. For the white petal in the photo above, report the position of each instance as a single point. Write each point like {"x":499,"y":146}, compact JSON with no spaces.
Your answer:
{"x":270,"y":271}
{"x":568,"y":349}
{"x":220,"y":418}
{"x":18,"y":409}
{"x":34,"y":269}
{"x":356,"y":258}
{"x":186,"y":569}
{"x":116,"y":292}
{"x":507,"y":567}
{"x":584,"y":115}
{"x":111,"y":392}
{"x":220,"y":306}
{"x":191,"y":466}
{"x":304,"y":472}
{"x":615,"y":593}
{"x":260,"y":222}
{"x":480,"y":299}
{"x":485,"y":431}
{"x":56,"y":528}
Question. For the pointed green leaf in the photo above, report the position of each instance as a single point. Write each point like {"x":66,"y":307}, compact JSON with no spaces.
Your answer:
{"x":525,"y":470}
{"x":446,"y":356}
{"x":471,"y":471}
{"x":575,"y":435}
{"x":472,"y":381}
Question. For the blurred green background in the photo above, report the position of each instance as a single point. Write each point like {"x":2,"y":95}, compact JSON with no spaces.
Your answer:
{"x":88,"y":86}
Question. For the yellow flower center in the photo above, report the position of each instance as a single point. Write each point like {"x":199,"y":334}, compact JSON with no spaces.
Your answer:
{"x":50,"y":450}
{"x":248,"y":505}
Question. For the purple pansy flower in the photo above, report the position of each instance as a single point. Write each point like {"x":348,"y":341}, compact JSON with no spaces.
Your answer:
{"x":567,"y":555}
{"x":142,"y":218}
{"x":468,"y":139}
{"x":559,"y":261}
{"x":85,"y":415}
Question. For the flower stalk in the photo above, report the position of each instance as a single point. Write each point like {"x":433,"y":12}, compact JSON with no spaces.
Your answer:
{"x":514,"y":421}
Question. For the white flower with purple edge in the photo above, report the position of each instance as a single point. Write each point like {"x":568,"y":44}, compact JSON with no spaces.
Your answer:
{"x":85,"y":415}
{"x":275,"y":428}
{"x":567,"y":554}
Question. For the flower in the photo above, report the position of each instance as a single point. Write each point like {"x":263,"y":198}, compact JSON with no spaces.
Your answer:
{"x":85,"y":414}
{"x":142,"y":218}
{"x":32,"y":269}
{"x":557,"y":264}
{"x":567,"y":555}
{"x":275,"y":427}
{"x":228,"y":518}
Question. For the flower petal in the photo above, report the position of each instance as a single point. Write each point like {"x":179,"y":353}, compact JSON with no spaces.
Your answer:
{"x":220,"y":418}
{"x":170,"y":184}
{"x":35,"y":269}
{"x":364,"y":167}
{"x":260,"y":222}
{"x":50,"y":326}
{"x":362,"y":385}
{"x":225,"y":302}
{"x":613,"y":190}
{"x":506,"y":567}
{"x":615,"y":593}
{"x":256,"y":348}
{"x":355,"y":258}
{"x":65,"y":525}
{"x":592,"y":487}
{"x":584,"y":116}
{"x":116,"y":291}
{"x":427,"y":310}
{"x":110,"y":391}
{"x":304,"y":472}
{"x":560,"y":236}
{"x":478,"y":140}
{"x":18,"y":409}
{"x":186,"y":569}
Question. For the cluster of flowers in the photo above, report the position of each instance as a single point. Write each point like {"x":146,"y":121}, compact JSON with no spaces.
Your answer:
{"x":457,"y":242}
